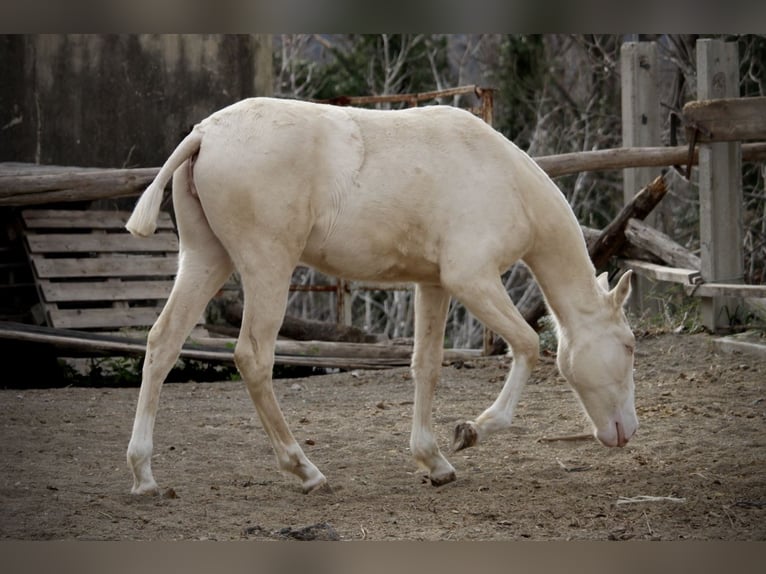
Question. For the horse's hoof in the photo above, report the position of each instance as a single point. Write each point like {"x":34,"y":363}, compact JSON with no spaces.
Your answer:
{"x":146,"y":490}
{"x":465,"y":435}
{"x":442,"y":480}
{"x":318,"y":484}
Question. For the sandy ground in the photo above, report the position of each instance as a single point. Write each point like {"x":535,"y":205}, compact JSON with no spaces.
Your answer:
{"x":700,"y":451}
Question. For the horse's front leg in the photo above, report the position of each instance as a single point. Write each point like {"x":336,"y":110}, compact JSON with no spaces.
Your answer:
{"x":431,"y":305}
{"x":486,"y":297}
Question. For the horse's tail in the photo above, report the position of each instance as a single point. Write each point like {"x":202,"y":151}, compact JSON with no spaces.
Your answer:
{"x":143,"y":220}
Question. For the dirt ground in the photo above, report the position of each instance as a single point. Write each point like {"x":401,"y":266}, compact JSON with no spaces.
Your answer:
{"x":701,"y":450}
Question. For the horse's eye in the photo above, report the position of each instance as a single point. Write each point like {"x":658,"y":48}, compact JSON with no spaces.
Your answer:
{"x":629,"y":349}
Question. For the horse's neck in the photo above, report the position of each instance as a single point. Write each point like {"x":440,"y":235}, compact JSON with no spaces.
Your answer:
{"x":564,"y":271}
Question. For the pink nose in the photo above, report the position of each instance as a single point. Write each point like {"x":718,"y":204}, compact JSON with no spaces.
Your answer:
{"x":614,"y":436}
{"x":622,"y":440}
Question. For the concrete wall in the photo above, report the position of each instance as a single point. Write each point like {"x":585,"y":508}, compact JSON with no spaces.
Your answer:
{"x":119,"y":100}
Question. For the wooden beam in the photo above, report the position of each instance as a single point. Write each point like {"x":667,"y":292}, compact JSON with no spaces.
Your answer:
{"x":621,"y":158}
{"x":725,"y":119}
{"x":76,"y":184}
{"x":689,"y":277}
{"x":81,"y":343}
{"x":612,"y":238}
{"x":739,"y":290}
{"x":644,"y":236}
{"x":19,"y":188}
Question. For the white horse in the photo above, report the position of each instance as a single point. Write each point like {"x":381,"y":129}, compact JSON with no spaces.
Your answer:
{"x":428,"y":195}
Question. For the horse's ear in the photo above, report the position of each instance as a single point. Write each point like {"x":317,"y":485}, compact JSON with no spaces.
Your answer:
{"x":621,"y":292}
{"x":603,"y":281}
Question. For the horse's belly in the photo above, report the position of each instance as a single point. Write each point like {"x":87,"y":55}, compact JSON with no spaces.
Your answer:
{"x":364,"y":259}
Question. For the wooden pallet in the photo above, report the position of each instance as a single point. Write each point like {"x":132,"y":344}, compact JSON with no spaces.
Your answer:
{"x":91,"y":274}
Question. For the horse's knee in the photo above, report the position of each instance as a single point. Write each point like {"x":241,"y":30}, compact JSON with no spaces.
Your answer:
{"x":526,"y":346}
{"x":157,"y":334}
{"x":254,"y":366}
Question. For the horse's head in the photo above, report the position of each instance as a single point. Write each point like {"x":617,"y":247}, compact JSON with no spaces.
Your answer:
{"x":597,"y":360}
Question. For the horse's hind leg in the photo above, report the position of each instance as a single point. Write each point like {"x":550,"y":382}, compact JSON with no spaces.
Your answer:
{"x":265,"y":289}
{"x":204,"y":267}
{"x":431,"y":305}
{"x":198,"y":279}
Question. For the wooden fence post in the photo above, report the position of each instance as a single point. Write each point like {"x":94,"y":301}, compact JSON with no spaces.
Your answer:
{"x":720,"y":186}
{"x":641,"y":123}
{"x":263,"y":78}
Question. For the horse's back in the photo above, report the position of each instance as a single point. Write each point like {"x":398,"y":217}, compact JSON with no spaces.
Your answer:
{"x":374,"y":194}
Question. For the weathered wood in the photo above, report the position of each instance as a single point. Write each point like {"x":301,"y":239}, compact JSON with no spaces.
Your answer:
{"x":346,"y":350}
{"x":641,"y":126}
{"x":720,"y":186}
{"x":100,"y":277}
{"x":103,"y":318}
{"x":629,"y":251}
{"x":76,"y":343}
{"x":660,"y":245}
{"x":307,"y":330}
{"x":296,"y":328}
{"x":725,"y":119}
{"x":641,"y":113}
{"x":737,"y":290}
{"x":612,"y":238}
{"x":554,"y":166}
{"x":663,"y":272}
{"x":86,"y":219}
{"x":106,"y":266}
{"x":59,"y":291}
{"x":621,"y":158}
{"x":100,"y":242}
{"x":74,"y":185}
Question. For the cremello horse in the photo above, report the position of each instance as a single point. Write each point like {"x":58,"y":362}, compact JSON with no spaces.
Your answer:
{"x":429,"y":195}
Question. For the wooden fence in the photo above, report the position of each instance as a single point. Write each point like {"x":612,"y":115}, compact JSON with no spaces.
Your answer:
{"x":714,"y":124}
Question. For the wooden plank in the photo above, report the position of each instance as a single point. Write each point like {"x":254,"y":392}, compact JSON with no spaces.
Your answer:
{"x":106,"y":266}
{"x":57,"y":292}
{"x":726,"y":119}
{"x":100,"y":242}
{"x":727,"y":290}
{"x":662,"y":272}
{"x":85,"y":219}
{"x":103,"y":318}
